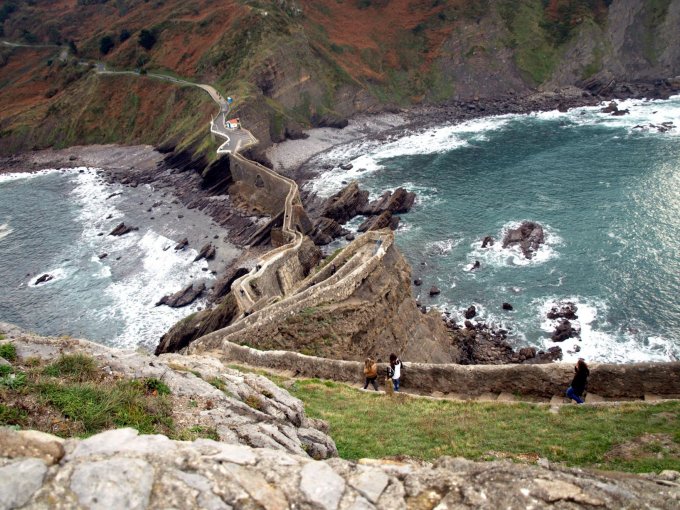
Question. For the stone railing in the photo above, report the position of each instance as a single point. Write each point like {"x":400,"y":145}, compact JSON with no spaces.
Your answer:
{"x":612,"y":381}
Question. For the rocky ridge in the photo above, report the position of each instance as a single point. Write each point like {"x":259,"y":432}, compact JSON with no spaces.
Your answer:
{"x":121,"y":469}
{"x":251,"y":410}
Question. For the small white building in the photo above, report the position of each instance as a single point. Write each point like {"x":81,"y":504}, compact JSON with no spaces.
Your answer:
{"x":233,"y":123}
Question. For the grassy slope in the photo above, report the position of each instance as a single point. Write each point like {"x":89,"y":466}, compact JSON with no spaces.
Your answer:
{"x":390,"y":48}
{"x":73,"y":397}
{"x":369,"y":425}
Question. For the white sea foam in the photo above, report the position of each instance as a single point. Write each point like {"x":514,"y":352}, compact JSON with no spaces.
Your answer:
{"x":5,"y":230}
{"x":135,"y":297}
{"x":597,"y":341}
{"x":15,"y":176}
{"x":497,"y":256}
{"x":59,"y":273}
{"x":642,"y":114}
{"x":367,"y":157}
{"x":441,"y":247}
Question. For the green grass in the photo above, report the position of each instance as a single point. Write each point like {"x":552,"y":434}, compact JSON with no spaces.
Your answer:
{"x":73,"y":392}
{"x":370,"y":425}
{"x":76,"y":367}
{"x":97,"y":407}
{"x":8,"y":351}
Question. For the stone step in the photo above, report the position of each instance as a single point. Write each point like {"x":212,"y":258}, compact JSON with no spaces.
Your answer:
{"x":558,"y":400}
{"x":591,"y":398}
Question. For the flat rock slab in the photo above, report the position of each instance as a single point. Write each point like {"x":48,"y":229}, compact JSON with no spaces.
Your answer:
{"x":591,"y":398}
{"x":155,"y":472}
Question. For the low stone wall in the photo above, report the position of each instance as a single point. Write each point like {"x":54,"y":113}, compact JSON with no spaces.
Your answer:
{"x":272,"y":189}
{"x":607,"y":380}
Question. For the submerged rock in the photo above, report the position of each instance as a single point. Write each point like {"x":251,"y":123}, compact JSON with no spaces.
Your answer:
{"x":122,"y":229}
{"x":207,"y":253}
{"x":182,"y":244}
{"x":563,"y":311}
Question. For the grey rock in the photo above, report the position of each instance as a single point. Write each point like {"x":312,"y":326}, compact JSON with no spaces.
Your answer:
{"x":321,"y":485}
{"x":370,"y":483}
{"x":19,"y":481}
{"x":5,"y":363}
{"x":113,"y":483}
{"x":118,"y":441}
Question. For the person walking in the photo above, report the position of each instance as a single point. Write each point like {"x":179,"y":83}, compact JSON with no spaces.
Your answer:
{"x":371,"y":373}
{"x":579,"y":382}
{"x":395,"y":370}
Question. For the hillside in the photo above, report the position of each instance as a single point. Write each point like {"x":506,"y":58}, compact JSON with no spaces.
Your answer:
{"x":292,"y":64}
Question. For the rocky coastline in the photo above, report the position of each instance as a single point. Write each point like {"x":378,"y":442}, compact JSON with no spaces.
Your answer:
{"x":196,"y":184}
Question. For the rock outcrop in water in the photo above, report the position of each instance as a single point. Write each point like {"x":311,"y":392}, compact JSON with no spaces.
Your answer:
{"x":122,"y":229}
{"x":528,"y":236}
{"x":44,"y":279}
{"x":184,"y":297}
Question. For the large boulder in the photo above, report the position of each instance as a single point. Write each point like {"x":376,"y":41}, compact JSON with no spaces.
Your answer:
{"x":383,"y":220}
{"x":343,"y":206}
{"x":529,"y":236}
{"x":398,"y":202}
{"x":327,"y":229}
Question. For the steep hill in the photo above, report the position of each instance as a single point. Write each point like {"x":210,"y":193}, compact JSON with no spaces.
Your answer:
{"x":291,"y":64}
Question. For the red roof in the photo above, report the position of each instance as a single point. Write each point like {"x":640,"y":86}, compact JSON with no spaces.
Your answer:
{"x":234,"y":121}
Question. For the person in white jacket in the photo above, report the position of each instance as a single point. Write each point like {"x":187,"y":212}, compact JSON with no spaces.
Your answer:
{"x":395,"y":370}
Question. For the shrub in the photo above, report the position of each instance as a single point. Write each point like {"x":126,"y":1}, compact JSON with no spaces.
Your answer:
{"x":156,"y":386}
{"x":147,"y":39}
{"x":124,"y":35}
{"x":106,"y":44}
{"x":13,"y":381}
{"x":8,"y":351}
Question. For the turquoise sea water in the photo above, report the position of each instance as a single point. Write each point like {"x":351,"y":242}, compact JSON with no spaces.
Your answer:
{"x":56,"y":222}
{"x":607,"y":193}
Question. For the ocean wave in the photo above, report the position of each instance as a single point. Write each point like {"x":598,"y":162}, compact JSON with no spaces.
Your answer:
{"x":366,"y":157}
{"x":5,"y":230}
{"x":15,"y":176}
{"x":641,"y":114}
{"x":597,"y":342}
{"x":497,"y":256}
{"x":439,"y":248}
{"x":59,"y":273}
{"x":135,"y":297}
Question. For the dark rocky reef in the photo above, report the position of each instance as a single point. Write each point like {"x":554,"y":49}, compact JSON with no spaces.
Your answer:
{"x":529,"y":236}
{"x":184,"y":297}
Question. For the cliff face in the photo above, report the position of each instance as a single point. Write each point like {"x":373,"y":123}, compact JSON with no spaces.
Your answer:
{"x":296,"y":64}
{"x":356,"y":305}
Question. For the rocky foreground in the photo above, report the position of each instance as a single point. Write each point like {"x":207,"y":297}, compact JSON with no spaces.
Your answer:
{"x":121,"y":469}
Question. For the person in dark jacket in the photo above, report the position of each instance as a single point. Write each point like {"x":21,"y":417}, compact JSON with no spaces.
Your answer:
{"x":579,"y":382}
